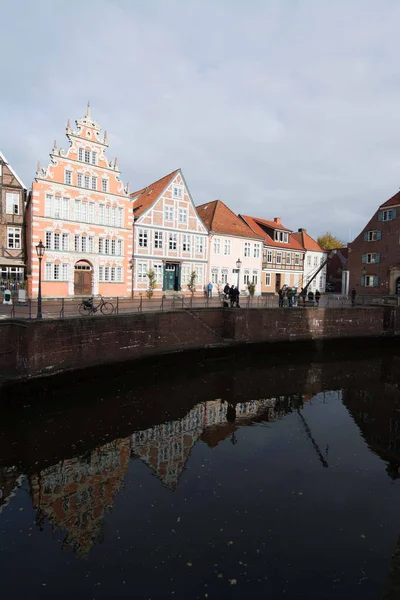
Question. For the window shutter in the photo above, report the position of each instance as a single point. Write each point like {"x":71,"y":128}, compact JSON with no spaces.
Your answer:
{"x":365,"y":236}
{"x":363,"y":280}
{"x":380,"y":216}
{"x":9,"y":204}
{"x":364,"y":258}
{"x":394,"y":213}
{"x":376,"y":281}
{"x":379,"y":235}
{"x":377,"y":257}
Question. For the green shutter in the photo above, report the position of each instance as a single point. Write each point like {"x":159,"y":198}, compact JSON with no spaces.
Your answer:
{"x":364,"y":258}
{"x":164,"y":285}
{"x":363,"y":280}
{"x":377,"y":257}
{"x":379,"y":235}
{"x":394,"y":213}
{"x":380,"y":216}
{"x":366,"y":236}
{"x":376,"y":281}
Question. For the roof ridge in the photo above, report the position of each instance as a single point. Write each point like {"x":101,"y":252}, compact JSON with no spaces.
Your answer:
{"x":154,"y":182}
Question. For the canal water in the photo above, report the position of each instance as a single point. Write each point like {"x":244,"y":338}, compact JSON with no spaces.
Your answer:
{"x":222,"y":474}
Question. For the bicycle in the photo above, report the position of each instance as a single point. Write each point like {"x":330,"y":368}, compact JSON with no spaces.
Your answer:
{"x":87,"y":308}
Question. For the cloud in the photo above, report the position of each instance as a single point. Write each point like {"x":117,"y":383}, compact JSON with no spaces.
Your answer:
{"x":278,"y":108}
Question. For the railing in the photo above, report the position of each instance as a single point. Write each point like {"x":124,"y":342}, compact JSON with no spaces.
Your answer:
{"x":10,"y":284}
{"x":64,"y":308}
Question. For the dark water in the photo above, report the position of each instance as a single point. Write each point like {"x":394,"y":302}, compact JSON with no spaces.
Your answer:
{"x":218,"y":475}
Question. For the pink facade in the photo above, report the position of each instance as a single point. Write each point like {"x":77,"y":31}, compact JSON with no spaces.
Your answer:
{"x":81,"y":211}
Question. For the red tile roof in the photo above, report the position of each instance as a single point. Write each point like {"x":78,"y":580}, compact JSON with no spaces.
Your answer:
{"x":143,"y":199}
{"x":393,"y":201}
{"x":256,"y":224}
{"x":217,"y":217}
{"x":307,"y":241}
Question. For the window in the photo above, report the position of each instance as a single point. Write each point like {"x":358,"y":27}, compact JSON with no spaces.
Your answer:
{"x":309,"y":260}
{"x":94,"y":158}
{"x":101,"y":245}
{"x":217,"y":245}
{"x":84,"y":212}
{"x":83,"y":243}
{"x":56,"y":272}
{"x":288,"y":258}
{"x":112,"y":273}
{"x":172,"y":241}
{"x":57,"y":207}
{"x":113,"y":246}
{"x":214,"y":275}
{"x":87,"y":182}
{"x":199,"y":244}
{"x":106,"y":273}
{"x":65,"y":208}
{"x":80,"y":154}
{"x":141,"y":272}
{"x":107,"y":220}
{"x":143,"y":238}
{"x":119,"y":274}
{"x":101,"y":214}
{"x":372,"y":236}
{"x":68,"y":177}
{"x":247,"y":248}
{"x":94,"y":183}
{"x":168,"y":213}
{"x":267,"y":279}
{"x":120,"y":247}
{"x":321,"y":282}
{"x":279,"y":258}
{"x":57,"y":241}
{"x":48,"y":206}
{"x":104,"y":185}
{"x":14,"y":238}
{"x":12,"y":203}
{"x":186,"y":243}
{"x":158,"y":240}
{"x":246,"y":277}
{"x":106,"y":246}
{"x":256,"y":250}
{"x":64,"y":272}
{"x":120,"y":217}
{"x":224,"y":275}
{"x":297,"y":259}
{"x":372,"y":257}
{"x":158,"y":270}
{"x":315,"y":261}
{"x":87,"y":156}
{"x":177,"y":191}
{"x":255,"y":277}
{"x":369,"y":281}
{"x":79,"y":179}
{"x":227,"y":247}
{"x":49,"y":243}
{"x":387,"y":215}
{"x":183,"y":215}
{"x":76,"y":246}
{"x":269,"y":256}
{"x":281,"y":236}
{"x":113,"y":216}
{"x":91,"y":212}
{"x":199,"y":274}
{"x":65,"y":242}
{"x":185,"y":274}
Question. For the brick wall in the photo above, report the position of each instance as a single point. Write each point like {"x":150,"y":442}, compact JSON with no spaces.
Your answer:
{"x":44,"y":347}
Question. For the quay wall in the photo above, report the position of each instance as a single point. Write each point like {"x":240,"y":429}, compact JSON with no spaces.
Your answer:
{"x":37,"y":348}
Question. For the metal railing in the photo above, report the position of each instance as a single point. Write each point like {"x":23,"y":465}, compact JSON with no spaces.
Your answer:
{"x":65,"y":307}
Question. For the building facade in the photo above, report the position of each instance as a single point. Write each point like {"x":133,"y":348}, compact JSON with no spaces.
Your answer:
{"x":337,"y":271}
{"x":283,"y":255}
{"x":314,"y":257}
{"x":81,"y":211}
{"x":12,"y":231}
{"x":168,"y":237}
{"x":374,"y":256}
{"x":231,"y":239}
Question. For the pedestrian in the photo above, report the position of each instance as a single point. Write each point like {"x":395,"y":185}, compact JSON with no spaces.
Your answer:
{"x":280,"y":298}
{"x":303,"y":294}
{"x":205,"y":290}
{"x":310,"y":297}
{"x":290,"y":295}
{"x":317,"y":297}
{"x":226,"y":290}
{"x":209,"y":290}
{"x":232,"y":295}
{"x":353,"y":297}
{"x":237,"y":294}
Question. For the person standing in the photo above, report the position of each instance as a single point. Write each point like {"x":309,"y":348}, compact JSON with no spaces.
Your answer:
{"x":317,"y":297}
{"x":303,"y":294}
{"x":232,"y":295}
{"x":209,"y":290}
{"x":226,"y":290}
{"x":280,"y":297}
{"x":237,"y":294}
{"x":353,"y":297}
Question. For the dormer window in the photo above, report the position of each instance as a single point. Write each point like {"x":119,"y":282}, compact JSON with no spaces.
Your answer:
{"x":177,"y":191}
{"x":281,"y":236}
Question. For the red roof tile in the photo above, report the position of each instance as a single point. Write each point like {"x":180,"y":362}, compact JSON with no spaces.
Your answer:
{"x":256,"y":224}
{"x":217,"y":217}
{"x":143,"y":199}
{"x":393,"y":201}
{"x":307,"y":241}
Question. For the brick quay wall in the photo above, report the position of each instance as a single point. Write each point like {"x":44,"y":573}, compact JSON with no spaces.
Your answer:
{"x":36,"y":348}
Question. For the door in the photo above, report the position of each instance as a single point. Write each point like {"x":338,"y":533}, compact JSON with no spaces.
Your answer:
{"x":170,"y":277}
{"x":82,"y":280}
{"x":277,"y":282}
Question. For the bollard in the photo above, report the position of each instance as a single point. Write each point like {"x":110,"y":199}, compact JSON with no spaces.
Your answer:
{"x":7,"y":297}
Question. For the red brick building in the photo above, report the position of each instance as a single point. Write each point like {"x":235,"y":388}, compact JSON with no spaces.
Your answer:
{"x":374,"y":256}
{"x":336,"y":270}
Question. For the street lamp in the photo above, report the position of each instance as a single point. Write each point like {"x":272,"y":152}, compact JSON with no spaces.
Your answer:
{"x":238,"y":265}
{"x":40,"y":248}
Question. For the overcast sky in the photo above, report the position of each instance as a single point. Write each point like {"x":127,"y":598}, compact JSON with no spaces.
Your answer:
{"x":285,"y":108}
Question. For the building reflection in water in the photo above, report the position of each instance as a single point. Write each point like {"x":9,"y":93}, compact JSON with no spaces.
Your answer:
{"x":75,"y":494}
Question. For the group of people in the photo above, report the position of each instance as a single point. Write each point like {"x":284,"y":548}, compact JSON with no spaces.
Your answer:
{"x":232,"y":294}
{"x":290,"y":294}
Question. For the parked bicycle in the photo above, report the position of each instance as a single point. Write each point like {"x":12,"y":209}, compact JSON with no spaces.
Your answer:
{"x":87,"y":307}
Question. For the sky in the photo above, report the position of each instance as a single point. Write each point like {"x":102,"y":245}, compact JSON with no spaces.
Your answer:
{"x":286,"y":108}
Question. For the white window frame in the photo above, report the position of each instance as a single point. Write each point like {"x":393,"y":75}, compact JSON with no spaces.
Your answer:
{"x":227,"y":247}
{"x":14,"y":234}
{"x":186,"y":243}
{"x":172,"y":241}
{"x":256,"y":252}
{"x":143,"y":238}
{"x":268,"y":279}
{"x":158,"y":240}
{"x":141,"y":272}
{"x":177,"y":191}
{"x":269,"y":256}
{"x":168,"y":213}
{"x":288,"y":258}
{"x":104,"y":184}
{"x":12,"y":203}
{"x":199,"y":244}
{"x":182,"y":216}
{"x":297,"y":259}
{"x":279,"y":258}
{"x":217,"y":245}
{"x":68,"y":177}
{"x":247,"y":250}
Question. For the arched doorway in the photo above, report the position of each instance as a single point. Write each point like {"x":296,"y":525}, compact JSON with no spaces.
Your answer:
{"x":397,"y":287}
{"x":83,"y":278}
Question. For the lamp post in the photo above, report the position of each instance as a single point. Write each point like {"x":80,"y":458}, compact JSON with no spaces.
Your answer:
{"x":40,"y":248}
{"x":238,"y":265}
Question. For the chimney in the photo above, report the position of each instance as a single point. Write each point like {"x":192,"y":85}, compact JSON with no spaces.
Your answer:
{"x":302,"y":230}
{"x":277,"y":220}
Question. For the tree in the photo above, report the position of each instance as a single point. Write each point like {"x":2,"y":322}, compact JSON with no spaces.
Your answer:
{"x":329,"y":241}
{"x":252,"y":288}
{"x":152,"y":283}
{"x":192,"y":283}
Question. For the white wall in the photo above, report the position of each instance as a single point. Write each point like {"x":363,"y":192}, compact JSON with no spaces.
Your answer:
{"x":309,"y":269}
